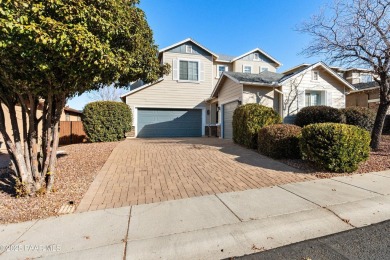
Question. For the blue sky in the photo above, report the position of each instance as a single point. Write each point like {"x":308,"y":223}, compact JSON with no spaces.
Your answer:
{"x":231,"y":27}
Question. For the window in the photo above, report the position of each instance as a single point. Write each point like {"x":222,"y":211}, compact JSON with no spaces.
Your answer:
{"x":221,"y":69}
{"x":314,"y":98}
{"x":315,"y":75}
{"x":189,"y":70}
{"x":256,"y":56}
{"x":247,"y":69}
{"x":365,"y":78}
{"x":67,"y":117}
{"x":263,"y":69}
{"x":188,"y":49}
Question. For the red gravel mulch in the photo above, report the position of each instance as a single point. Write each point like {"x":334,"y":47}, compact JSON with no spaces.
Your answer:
{"x":378,"y":161}
{"x":76,"y":171}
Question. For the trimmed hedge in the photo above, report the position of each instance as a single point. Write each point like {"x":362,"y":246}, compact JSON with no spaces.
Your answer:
{"x":280,"y":141}
{"x":360,"y":116}
{"x":335,"y":147}
{"x":248,"y":119}
{"x":106,"y":121}
{"x":319,"y":114}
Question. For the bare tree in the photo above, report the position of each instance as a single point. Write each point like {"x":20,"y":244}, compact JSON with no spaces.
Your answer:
{"x":356,"y":33}
{"x":106,"y":93}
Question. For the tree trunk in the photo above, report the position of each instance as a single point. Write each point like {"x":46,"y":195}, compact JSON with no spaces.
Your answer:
{"x":378,"y":126}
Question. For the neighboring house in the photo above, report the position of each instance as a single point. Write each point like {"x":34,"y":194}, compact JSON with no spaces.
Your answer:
{"x":68,"y":113}
{"x":286,"y":93}
{"x":175,"y":104}
{"x":71,"y":114}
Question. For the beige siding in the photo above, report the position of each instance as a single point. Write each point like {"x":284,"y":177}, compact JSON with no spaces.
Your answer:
{"x":215,"y":70}
{"x":230,"y":91}
{"x":171,"y":93}
{"x":265,"y":96}
{"x":295,"y":88}
{"x":72,"y":116}
{"x":256,"y":65}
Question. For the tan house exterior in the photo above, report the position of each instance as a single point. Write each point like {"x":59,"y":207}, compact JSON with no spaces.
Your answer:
{"x":199,"y":95}
{"x":175,"y":105}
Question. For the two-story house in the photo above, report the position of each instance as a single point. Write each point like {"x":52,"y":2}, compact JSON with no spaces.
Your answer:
{"x":200,"y":94}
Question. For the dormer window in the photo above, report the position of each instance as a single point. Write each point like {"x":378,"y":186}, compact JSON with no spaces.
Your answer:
{"x":256,"y":57}
{"x":315,"y":75}
{"x":188,"y":49}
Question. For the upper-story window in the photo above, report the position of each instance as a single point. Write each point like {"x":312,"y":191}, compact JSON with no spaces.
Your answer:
{"x":189,"y":70}
{"x":315,"y":75}
{"x":256,"y":57}
{"x":221,"y":69}
{"x":247,"y":69}
{"x":188,"y":49}
{"x":364,"y":78}
{"x":263,"y":69}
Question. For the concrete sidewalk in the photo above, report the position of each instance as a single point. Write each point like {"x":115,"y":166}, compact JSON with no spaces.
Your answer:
{"x":208,"y":227}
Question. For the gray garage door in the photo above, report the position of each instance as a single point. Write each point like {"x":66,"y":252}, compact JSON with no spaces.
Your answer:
{"x":169,"y":122}
{"x":228,"y":110}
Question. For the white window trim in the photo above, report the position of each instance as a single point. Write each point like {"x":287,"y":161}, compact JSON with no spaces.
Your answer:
{"x":226,"y":69}
{"x":322,"y":91}
{"x":178,"y":70}
{"x":243,"y":68}
{"x":313,"y":72}
{"x":188,"y":49}
{"x":254,"y":57}
{"x":261,"y":69}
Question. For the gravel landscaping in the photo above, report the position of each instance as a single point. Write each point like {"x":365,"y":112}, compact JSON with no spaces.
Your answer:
{"x":76,"y":171}
{"x":378,"y":161}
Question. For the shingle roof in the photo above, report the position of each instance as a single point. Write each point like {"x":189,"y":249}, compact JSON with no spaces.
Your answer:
{"x":361,"y":86}
{"x":263,"y":77}
{"x":225,"y":57}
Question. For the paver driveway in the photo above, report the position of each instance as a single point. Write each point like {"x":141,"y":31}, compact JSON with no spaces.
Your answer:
{"x":143,"y":171}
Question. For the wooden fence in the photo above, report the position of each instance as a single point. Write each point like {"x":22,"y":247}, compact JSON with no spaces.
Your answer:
{"x":72,"y":132}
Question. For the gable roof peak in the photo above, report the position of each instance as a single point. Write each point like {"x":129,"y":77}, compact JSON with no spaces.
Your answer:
{"x":184,"y":41}
{"x":262,"y":52}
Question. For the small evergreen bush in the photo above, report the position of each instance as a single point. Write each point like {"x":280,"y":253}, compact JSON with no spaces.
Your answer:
{"x":280,"y":141}
{"x":106,"y":121}
{"x":360,"y":116}
{"x":248,"y":119}
{"x":335,"y":147}
{"x":318,"y":114}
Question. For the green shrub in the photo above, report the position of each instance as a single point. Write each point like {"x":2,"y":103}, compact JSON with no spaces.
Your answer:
{"x":106,"y":121}
{"x":280,"y":141}
{"x":247,"y":121}
{"x":319,"y":114}
{"x":360,"y":116}
{"x":335,"y":147}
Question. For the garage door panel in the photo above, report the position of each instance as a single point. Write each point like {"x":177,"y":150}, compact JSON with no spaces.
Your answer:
{"x":228,"y":111}
{"x":169,"y":123}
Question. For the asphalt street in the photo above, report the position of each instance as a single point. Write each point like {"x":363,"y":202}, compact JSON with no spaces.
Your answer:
{"x":371,"y":242}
